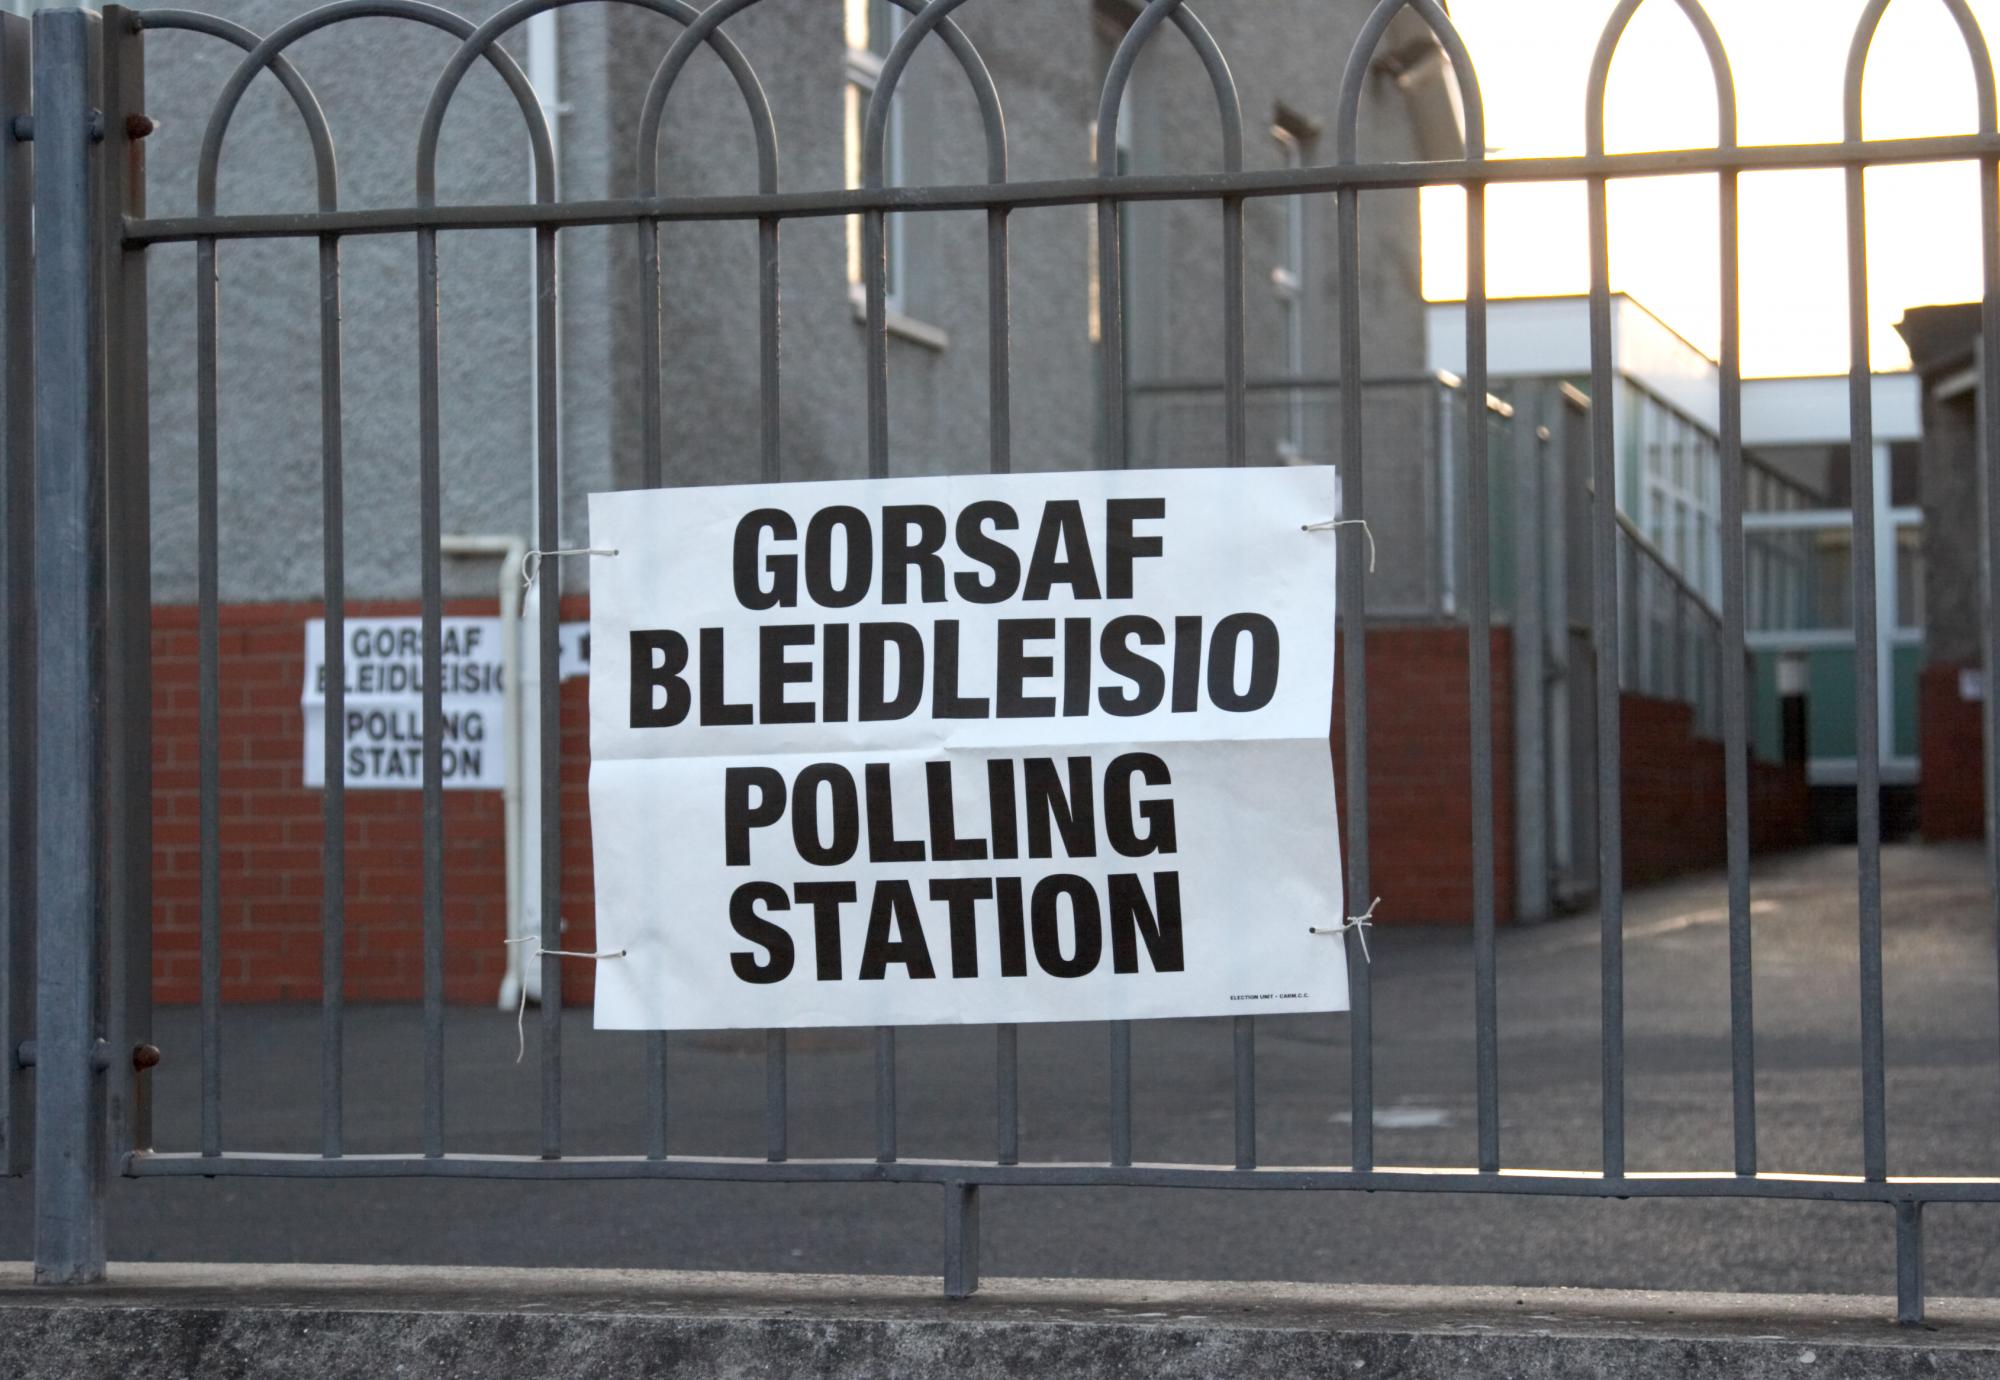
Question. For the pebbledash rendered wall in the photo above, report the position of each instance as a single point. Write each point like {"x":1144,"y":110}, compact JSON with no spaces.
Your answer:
{"x":1047,"y":59}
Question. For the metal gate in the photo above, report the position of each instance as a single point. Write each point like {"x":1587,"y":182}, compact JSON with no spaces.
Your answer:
{"x":75,"y":241}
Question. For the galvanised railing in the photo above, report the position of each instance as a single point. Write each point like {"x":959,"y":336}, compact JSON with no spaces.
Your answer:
{"x":76,"y":686}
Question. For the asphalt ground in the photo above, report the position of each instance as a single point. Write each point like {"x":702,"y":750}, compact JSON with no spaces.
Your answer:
{"x":1942,"y":1004}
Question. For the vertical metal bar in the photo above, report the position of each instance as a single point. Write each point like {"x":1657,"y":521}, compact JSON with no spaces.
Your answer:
{"x":885,"y":1094}
{"x":1867,"y":707}
{"x":333,"y":799}
{"x":1735,"y":699}
{"x":875,"y":268}
{"x":1236,"y":447}
{"x":1909,"y":1263}
{"x":1235,"y":425}
{"x":1354,"y":650}
{"x":1528,"y":666}
{"x":767,"y":344}
{"x":874,"y":275}
{"x":1986,"y":357}
{"x":1111,"y":320}
{"x":548,"y":535}
{"x":999,"y":348}
{"x":651,"y":456}
{"x":209,"y":695}
{"x":1606,"y":569}
{"x":652,"y":463}
{"x":1007,"y":1082}
{"x":1480,"y":679}
{"x":1121,"y":1093}
{"x":656,"y":1095}
{"x":69,"y":654}
{"x":1000,"y":460}
{"x":1989,"y":494}
{"x":961,"y":1240}
{"x":769,"y":306}
{"x":1246,"y":1091}
{"x":17,"y":584}
{"x":430,"y":558}
{"x":774,"y":1095}
{"x":128,"y":934}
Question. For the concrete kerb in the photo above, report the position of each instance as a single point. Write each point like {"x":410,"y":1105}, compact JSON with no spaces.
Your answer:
{"x":329,"y":1322}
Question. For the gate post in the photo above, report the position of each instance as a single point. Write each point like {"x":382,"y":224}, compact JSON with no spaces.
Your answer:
{"x":127,"y":979}
{"x":69,"y":652}
{"x":17,"y":582}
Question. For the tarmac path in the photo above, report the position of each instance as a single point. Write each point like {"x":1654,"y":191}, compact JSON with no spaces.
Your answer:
{"x":1943,"y":1034}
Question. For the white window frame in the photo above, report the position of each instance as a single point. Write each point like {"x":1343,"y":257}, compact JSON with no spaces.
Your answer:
{"x":864,"y":72}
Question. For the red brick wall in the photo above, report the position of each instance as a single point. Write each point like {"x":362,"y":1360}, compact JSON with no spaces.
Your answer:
{"x":1420,"y":821}
{"x":1419,"y":773}
{"x":1673,"y":796}
{"x":1951,"y":789}
{"x":271,"y":833}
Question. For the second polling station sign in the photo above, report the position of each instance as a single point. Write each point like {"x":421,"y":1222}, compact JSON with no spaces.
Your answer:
{"x":985,"y":748}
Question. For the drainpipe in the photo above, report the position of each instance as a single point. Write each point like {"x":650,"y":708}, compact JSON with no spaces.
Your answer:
{"x":524,"y":857}
{"x":545,"y":75}
{"x":510,"y":551}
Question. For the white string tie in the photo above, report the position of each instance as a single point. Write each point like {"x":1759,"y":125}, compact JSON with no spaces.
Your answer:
{"x":1330,"y":523}
{"x":521,"y":1011}
{"x":531,"y":561}
{"x":1360,"y":924}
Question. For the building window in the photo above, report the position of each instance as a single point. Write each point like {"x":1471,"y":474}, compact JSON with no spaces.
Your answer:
{"x":1679,"y":493}
{"x":1288,"y":283}
{"x":871,"y":28}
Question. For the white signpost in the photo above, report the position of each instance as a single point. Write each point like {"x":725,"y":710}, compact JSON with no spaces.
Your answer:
{"x":978,"y":749}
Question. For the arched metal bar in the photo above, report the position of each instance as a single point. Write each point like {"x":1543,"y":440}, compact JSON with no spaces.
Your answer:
{"x":1479,"y":649}
{"x":1607,"y":48}
{"x":874,"y":271}
{"x":699,"y":27}
{"x":1346,"y":136}
{"x":333,"y":850}
{"x":935,"y":15}
{"x":1111,"y":305}
{"x":874,"y":237}
{"x":430,"y":515}
{"x":1867,"y":671}
{"x":325,"y":165}
{"x":1111,"y":330}
{"x":1864,"y":39}
{"x":482,"y":41}
{"x":652,"y":458}
{"x":1861,"y":478}
{"x":1605,"y":612}
{"x":1353,"y":583}
{"x":1228,"y":107}
{"x":478,"y":43}
{"x":285,"y":35}
{"x":1989,"y":459}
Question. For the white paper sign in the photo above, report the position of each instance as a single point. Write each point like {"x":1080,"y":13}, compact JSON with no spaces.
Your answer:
{"x":384,"y":712}
{"x":981,"y":748}
{"x":383,"y":745}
